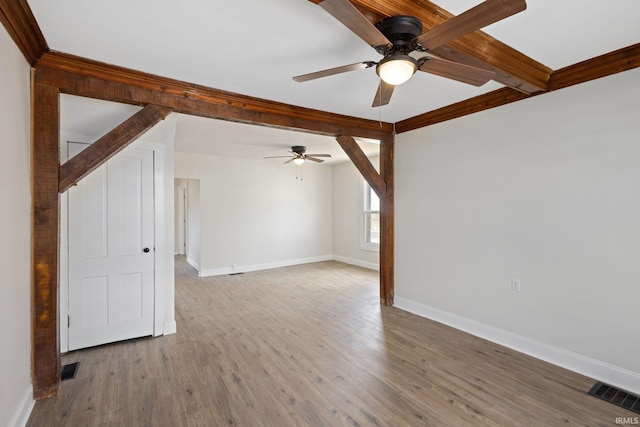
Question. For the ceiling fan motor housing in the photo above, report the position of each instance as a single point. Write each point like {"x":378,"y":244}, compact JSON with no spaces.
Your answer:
{"x":299,"y":149}
{"x":401,"y":31}
{"x":397,"y":66}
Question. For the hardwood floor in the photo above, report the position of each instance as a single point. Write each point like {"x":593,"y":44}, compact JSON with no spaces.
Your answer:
{"x":311,"y":346}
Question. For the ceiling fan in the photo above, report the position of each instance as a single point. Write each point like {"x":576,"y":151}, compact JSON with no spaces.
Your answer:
{"x":405,"y":49}
{"x":299,"y":156}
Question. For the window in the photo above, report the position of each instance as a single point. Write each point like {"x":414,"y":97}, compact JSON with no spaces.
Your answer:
{"x":371,"y":220}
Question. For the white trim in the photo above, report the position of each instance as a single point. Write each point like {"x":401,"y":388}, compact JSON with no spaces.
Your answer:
{"x":170,"y":328}
{"x":613,"y":375}
{"x":265,"y":266}
{"x":358,"y":262}
{"x":194,"y":264}
{"x":23,"y":411}
{"x":159,"y":220}
{"x":371,"y":247}
{"x":364,"y":245}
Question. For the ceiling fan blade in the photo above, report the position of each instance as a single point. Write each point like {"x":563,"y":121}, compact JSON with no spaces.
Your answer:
{"x":276,"y":157}
{"x":456,"y":71}
{"x":289,"y":161}
{"x":351,"y":18}
{"x":319,"y":155}
{"x":473,"y":19}
{"x":383,"y":94}
{"x":332,"y":71}
{"x":313,"y":159}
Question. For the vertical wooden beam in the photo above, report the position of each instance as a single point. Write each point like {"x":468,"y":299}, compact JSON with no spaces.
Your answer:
{"x":382,"y":184}
{"x":387,"y":215}
{"x":44,"y":245}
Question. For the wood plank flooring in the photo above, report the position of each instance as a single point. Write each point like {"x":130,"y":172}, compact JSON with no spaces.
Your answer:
{"x":310,"y":345}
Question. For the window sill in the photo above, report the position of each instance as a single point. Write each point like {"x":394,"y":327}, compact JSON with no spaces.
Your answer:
{"x":371,"y":247}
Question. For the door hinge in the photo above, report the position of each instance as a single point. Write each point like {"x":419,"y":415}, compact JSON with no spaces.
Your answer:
{"x":68,"y":321}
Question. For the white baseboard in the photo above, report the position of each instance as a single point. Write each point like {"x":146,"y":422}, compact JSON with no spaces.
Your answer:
{"x":193,"y":264}
{"x":265,"y":266}
{"x":601,"y":371}
{"x":359,"y":263}
{"x":169,"y":328}
{"x":23,"y":411}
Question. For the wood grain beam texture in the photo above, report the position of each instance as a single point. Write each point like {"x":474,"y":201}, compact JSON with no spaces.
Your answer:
{"x":44,"y":243}
{"x":83,"y":77}
{"x":387,"y":221}
{"x":363,"y":164}
{"x":614,"y":62}
{"x":17,"y":18}
{"x":604,"y":65}
{"x":477,"y":49}
{"x":109,"y":145}
{"x":382,"y":184}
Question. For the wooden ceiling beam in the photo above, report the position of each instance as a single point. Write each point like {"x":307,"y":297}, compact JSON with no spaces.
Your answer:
{"x":109,"y":145}
{"x":482,"y":102}
{"x":17,"y":18}
{"x":477,"y":49}
{"x":611,"y":63}
{"x":84,"y":77}
{"x":479,"y":45}
{"x":601,"y":66}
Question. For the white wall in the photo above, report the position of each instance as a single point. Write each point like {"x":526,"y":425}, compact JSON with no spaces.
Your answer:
{"x":179,"y":204}
{"x":256,"y":214}
{"x":546,"y":191}
{"x":16,"y":399}
{"x":347,"y":216}
{"x":193,"y":222}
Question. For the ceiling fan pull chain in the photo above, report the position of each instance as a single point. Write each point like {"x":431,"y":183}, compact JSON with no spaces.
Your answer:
{"x":380,"y":108}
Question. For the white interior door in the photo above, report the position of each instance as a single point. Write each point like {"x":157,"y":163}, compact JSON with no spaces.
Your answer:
{"x":111,"y":251}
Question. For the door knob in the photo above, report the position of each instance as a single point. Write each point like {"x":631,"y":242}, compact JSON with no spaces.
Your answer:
{"x":145,"y":250}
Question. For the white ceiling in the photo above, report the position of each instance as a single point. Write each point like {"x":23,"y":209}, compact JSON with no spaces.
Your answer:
{"x":254,"y":47}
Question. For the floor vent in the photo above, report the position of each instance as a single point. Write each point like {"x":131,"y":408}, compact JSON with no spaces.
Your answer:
{"x":235,"y":274}
{"x":616,"y":396}
{"x":69,"y":371}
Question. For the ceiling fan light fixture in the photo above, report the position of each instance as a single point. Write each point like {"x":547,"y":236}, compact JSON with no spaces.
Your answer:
{"x":298,"y":160}
{"x":397,"y":69}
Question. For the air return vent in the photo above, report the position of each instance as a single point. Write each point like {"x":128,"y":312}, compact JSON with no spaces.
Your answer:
{"x":69,"y":371}
{"x":616,"y":396}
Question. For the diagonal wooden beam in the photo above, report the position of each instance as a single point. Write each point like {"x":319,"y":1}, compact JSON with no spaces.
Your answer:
{"x":362,"y":163}
{"x":110,"y":144}
{"x":17,"y":18}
